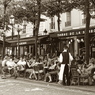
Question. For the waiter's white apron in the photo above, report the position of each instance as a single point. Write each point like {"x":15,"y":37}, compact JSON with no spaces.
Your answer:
{"x":61,"y":72}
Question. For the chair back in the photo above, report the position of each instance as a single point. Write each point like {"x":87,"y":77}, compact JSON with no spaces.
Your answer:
{"x":41,"y":68}
{"x":74,"y":72}
{"x":36,"y":68}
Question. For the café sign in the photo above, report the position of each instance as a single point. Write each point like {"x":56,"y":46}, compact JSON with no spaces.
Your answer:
{"x":74,"y":33}
{"x":22,"y":43}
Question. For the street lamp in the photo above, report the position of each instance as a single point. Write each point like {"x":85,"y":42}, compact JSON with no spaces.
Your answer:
{"x":18,"y":30}
{"x":3,"y":35}
{"x":24,"y":24}
{"x":12,"y":23}
{"x":45,"y":31}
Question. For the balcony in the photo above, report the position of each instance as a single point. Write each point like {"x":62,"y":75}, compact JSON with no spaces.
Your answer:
{"x":68,"y":23}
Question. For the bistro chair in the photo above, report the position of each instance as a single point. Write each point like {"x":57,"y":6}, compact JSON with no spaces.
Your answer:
{"x":74,"y":76}
{"x":40,"y":71}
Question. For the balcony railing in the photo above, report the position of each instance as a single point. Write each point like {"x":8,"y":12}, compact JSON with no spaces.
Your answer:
{"x":68,"y":23}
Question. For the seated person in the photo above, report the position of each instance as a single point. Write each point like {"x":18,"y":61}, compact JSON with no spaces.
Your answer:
{"x":10,"y":64}
{"x":10,"y":67}
{"x":37,"y":69}
{"x":21,"y":64}
{"x":86,"y":70}
{"x":4,"y":67}
{"x":93,"y":74}
{"x":53,"y":70}
{"x":15,"y":60}
{"x":45,"y":66}
{"x":73,"y":63}
{"x":29,"y":66}
{"x":32,"y":71}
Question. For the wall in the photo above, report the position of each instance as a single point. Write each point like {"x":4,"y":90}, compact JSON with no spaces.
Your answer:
{"x":29,"y":28}
{"x":76,"y":21}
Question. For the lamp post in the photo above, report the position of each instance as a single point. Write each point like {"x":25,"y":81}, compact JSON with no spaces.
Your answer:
{"x":24,"y":24}
{"x":45,"y":31}
{"x":3,"y":35}
{"x":18,"y":30}
{"x":12,"y":23}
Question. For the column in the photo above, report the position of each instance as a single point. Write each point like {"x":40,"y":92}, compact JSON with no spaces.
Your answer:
{"x":75,"y":46}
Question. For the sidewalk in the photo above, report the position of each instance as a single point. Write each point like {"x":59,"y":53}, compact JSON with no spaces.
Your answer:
{"x":74,"y":87}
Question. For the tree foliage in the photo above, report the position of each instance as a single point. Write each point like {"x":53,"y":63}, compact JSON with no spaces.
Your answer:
{"x":80,"y":4}
{"x":87,"y":6}
{"x":4,"y":16}
{"x":57,"y":7}
{"x":24,"y":8}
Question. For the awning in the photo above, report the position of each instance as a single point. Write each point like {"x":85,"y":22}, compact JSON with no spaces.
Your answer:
{"x":44,"y":40}
{"x":6,"y":43}
{"x":27,"y":41}
{"x":21,"y":40}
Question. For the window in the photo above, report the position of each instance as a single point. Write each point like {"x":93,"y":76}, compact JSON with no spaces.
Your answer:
{"x":68,"y":19}
{"x":24,"y":29}
{"x":52,"y":23}
{"x":83,"y":18}
{"x":68,"y":14}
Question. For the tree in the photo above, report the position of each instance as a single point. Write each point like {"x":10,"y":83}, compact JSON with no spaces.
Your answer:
{"x":57,"y":7}
{"x":5,"y":3}
{"x":4,"y":16}
{"x":86,"y":6}
{"x":31,"y":10}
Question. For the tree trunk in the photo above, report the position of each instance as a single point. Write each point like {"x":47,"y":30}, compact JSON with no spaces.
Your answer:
{"x":87,"y":40}
{"x":4,"y":26}
{"x":37,"y":28}
{"x":5,"y":14}
{"x":58,"y":21}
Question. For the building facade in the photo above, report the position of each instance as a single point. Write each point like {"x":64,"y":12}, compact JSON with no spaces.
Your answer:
{"x":72,"y":30}
{"x":27,"y":39}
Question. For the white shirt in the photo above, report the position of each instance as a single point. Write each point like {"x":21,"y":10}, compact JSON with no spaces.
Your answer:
{"x":10,"y":63}
{"x":21,"y":62}
{"x":4,"y":62}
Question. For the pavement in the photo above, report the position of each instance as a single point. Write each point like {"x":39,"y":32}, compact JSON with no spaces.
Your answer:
{"x":87,"y":88}
{"x":20,"y":86}
{"x":74,"y":87}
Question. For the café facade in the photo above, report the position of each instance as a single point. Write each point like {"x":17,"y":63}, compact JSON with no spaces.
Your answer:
{"x":54,"y":42}
{"x":27,"y":45}
{"x":75,"y":40}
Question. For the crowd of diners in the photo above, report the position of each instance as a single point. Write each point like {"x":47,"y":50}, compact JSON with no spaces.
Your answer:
{"x":24,"y":64}
{"x":85,"y":70}
{"x":51,"y":67}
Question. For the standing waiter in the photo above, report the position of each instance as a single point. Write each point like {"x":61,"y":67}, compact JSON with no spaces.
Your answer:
{"x":65,"y":59}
